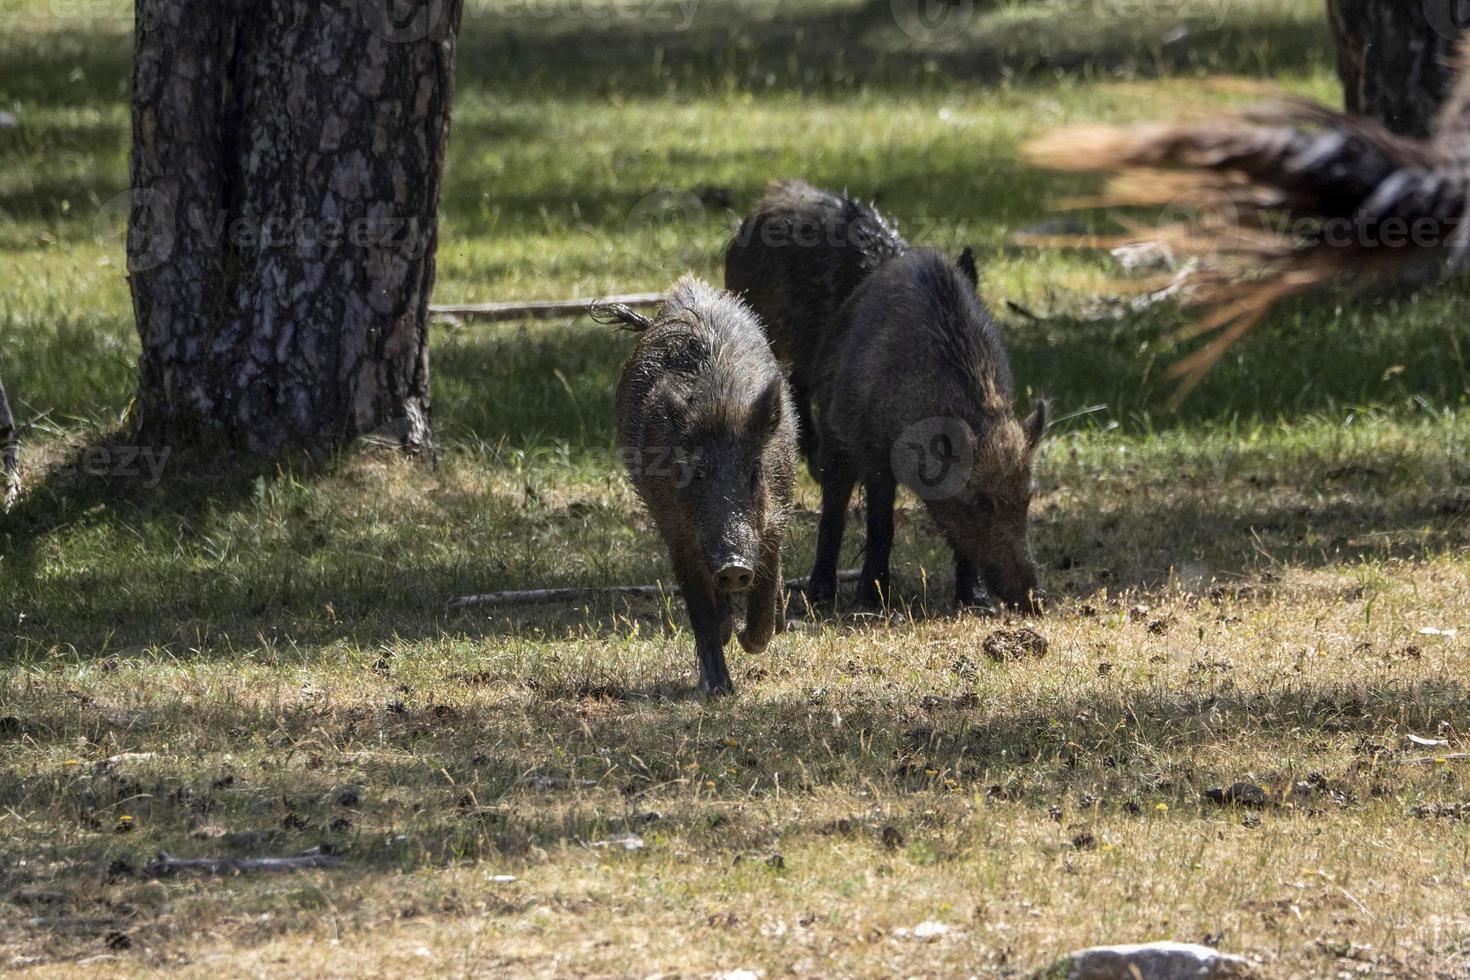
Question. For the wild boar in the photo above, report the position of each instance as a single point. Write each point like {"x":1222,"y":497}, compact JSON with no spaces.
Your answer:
{"x":796,"y":259}
{"x":916,"y":389}
{"x":708,"y":435}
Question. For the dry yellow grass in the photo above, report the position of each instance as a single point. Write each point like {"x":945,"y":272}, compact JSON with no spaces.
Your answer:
{"x":868,"y":778}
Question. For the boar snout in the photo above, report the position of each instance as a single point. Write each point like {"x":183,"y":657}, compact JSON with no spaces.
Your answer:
{"x":734,"y":577}
{"x":1023,"y":596}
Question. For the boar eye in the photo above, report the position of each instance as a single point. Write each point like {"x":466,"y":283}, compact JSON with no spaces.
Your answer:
{"x":755,"y":479}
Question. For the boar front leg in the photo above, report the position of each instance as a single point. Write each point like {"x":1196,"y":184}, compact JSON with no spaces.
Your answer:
{"x":872,"y":589}
{"x":764,"y":615}
{"x":967,"y":583}
{"x":837,"y":483}
{"x":709,"y":623}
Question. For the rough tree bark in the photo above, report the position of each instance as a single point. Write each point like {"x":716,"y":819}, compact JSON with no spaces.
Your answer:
{"x":286,"y":168}
{"x":9,"y":454}
{"x":1395,"y":58}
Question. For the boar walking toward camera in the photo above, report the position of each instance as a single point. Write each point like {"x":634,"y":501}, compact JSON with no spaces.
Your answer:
{"x":915,"y":389}
{"x":707,"y":431}
{"x":796,"y":259}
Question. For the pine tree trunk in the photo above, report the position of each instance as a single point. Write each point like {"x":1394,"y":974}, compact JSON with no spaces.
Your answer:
{"x":9,"y":454}
{"x":1395,"y":56}
{"x":286,"y":167}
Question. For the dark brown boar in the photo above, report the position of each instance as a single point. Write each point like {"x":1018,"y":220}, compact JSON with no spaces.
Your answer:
{"x":796,"y":259}
{"x":915,"y":389}
{"x":707,"y":431}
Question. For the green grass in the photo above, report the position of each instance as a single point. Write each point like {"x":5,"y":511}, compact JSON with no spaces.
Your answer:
{"x":1244,"y":585}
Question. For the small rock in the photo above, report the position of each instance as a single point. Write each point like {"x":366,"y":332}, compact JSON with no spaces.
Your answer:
{"x":1015,"y":644}
{"x":930,"y":929}
{"x":625,"y":842}
{"x":1152,"y":961}
{"x":351,"y":796}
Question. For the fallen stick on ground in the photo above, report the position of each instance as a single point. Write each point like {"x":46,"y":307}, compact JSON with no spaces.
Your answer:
{"x":545,"y":309}
{"x":167,"y":864}
{"x":527,"y":597}
{"x":1429,"y":760}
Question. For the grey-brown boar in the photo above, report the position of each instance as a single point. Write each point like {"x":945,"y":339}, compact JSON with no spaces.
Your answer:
{"x":796,"y":259}
{"x":915,"y":388}
{"x":707,"y":432}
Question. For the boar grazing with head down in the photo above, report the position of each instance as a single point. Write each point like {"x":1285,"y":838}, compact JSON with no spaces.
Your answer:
{"x":796,"y":259}
{"x":706,"y":429}
{"x":915,"y":389}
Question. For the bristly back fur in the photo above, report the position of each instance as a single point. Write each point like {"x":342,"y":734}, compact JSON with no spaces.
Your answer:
{"x":1300,"y":195}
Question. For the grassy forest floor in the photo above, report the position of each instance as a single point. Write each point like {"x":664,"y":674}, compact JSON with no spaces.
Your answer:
{"x":1267,"y":587}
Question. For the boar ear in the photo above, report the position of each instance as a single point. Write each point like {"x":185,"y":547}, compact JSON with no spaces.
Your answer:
{"x":765,"y":413}
{"x":1035,"y":424}
{"x":966,"y":264}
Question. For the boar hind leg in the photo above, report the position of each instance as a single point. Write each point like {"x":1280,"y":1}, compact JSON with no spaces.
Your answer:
{"x":872,"y":588}
{"x":708,"y":621}
{"x":765,"y":614}
{"x":837,"y":485}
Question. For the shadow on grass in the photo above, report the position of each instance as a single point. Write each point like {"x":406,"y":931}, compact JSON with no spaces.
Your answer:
{"x":414,"y":781}
{"x":234,"y":572}
{"x":791,"y":48}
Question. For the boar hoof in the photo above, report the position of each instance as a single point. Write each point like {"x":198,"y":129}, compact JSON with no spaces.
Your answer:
{"x":977,"y":603}
{"x":807,"y":603}
{"x":750,"y":645}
